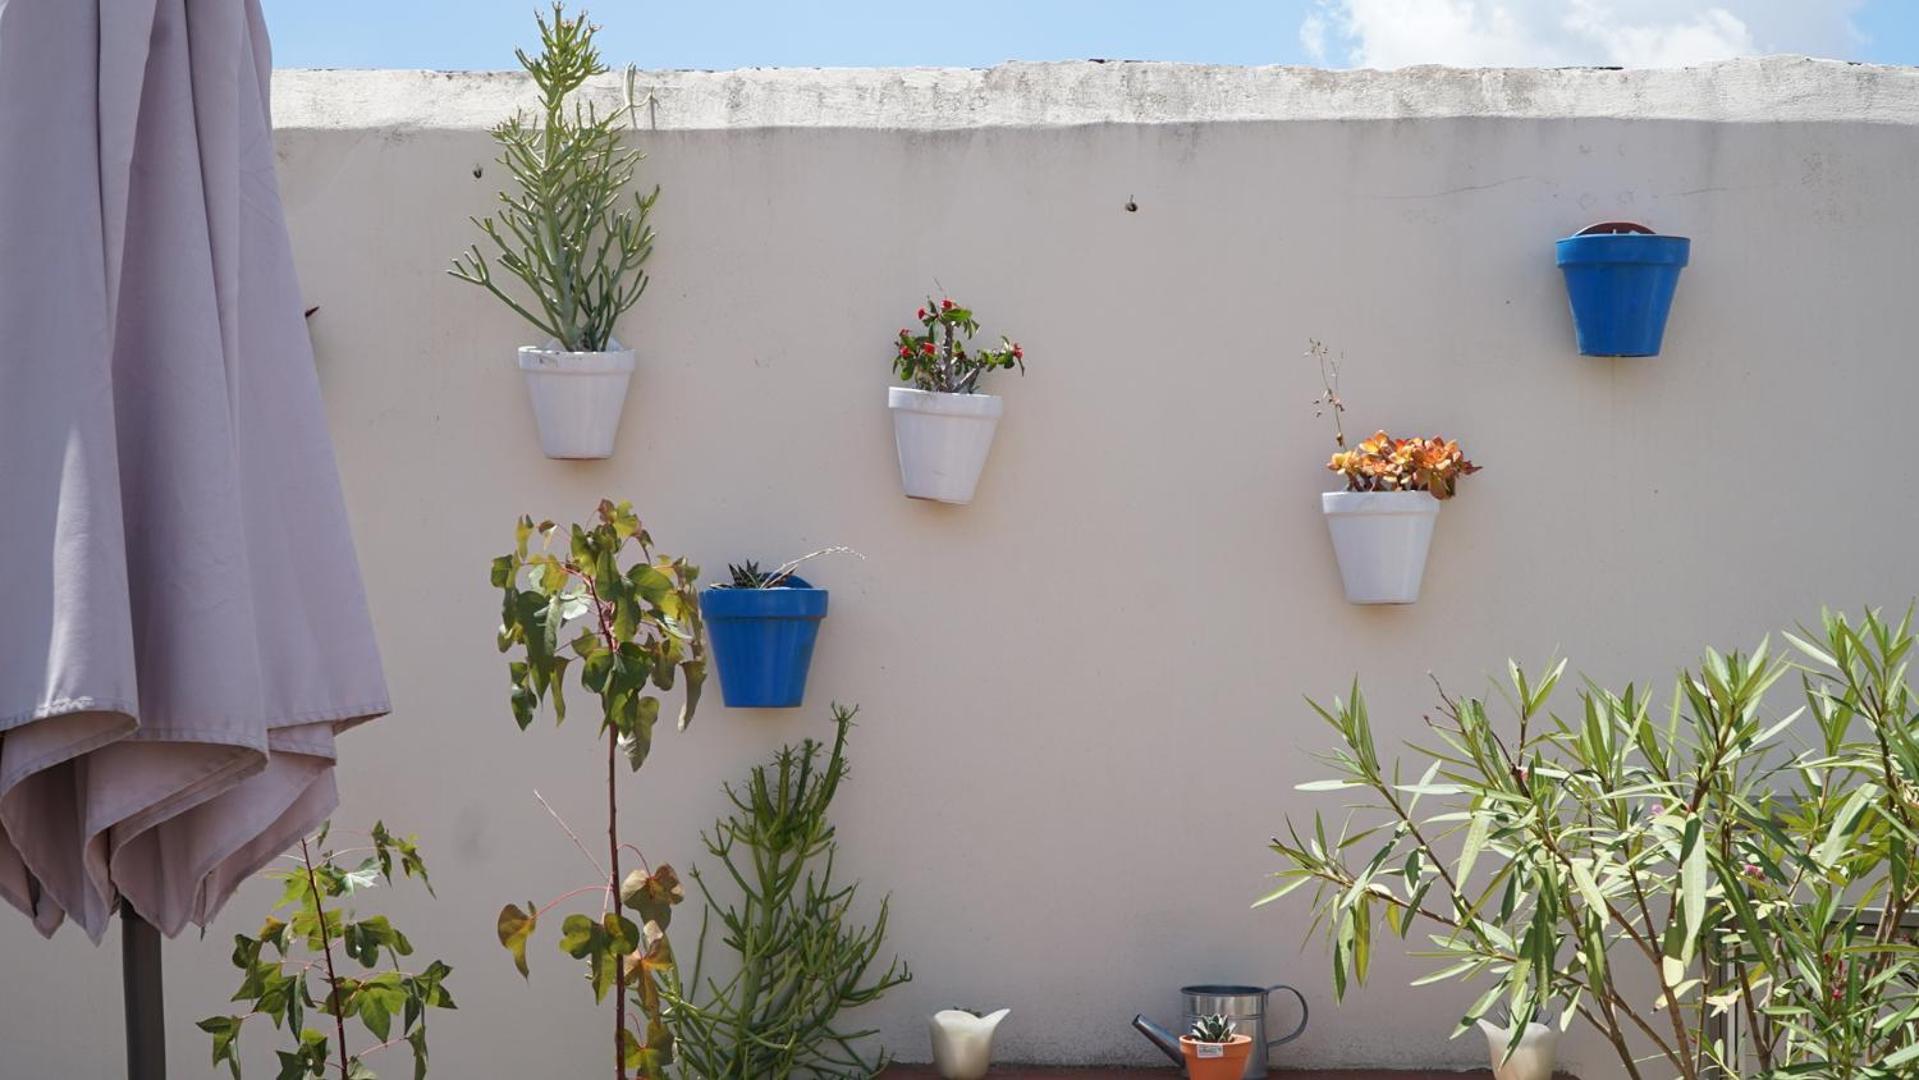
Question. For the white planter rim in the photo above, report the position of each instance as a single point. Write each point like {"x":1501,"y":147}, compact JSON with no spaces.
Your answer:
{"x":983,"y":406}
{"x":1419,"y":503}
{"x":1534,"y":1029}
{"x":550,"y":359}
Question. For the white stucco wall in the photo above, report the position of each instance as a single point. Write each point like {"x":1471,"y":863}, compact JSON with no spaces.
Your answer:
{"x":1082,"y":694}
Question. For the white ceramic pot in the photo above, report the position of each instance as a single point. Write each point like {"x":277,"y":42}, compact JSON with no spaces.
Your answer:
{"x":1532,"y":1059}
{"x":577,"y":397}
{"x":943,"y":440}
{"x":1380,"y":538}
{"x":963,"y":1043}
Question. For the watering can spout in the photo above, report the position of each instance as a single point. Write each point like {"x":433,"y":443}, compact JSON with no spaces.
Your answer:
{"x":1168,"y":1044}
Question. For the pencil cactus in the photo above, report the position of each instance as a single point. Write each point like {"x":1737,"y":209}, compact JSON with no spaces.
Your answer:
{"x":575,"y":233}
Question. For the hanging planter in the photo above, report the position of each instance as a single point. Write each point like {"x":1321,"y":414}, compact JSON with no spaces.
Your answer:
{"x":574,"y":237}
{"x":762,"y":640}
{"x":1620,"y":279}
{"x":762,"y":627}
{"x":1380,"y":539}
{"x":577,"y":397}
{"x":1382,"y":524}
{"x":942,"y":427}
{"x":943,"y":440}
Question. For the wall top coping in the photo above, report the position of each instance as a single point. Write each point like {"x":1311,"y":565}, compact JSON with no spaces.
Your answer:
{"x":1041,"y":95}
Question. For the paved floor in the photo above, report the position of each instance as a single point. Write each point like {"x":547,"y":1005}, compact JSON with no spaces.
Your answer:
{"x":1019,"y":1072}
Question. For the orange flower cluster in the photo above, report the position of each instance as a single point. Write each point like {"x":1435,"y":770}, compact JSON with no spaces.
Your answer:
{"x":1383,"y":463}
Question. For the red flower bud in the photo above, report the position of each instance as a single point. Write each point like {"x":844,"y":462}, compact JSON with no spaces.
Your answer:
{"x":946,"y":305}
{"x":904,"y":351}
{"x":1017,"y":353}
{"x":926,"y":347}
{"x":920,"y":314}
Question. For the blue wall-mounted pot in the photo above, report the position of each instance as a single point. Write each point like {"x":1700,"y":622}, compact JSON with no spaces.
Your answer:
{"x":763,"y":641}
{"x":1620,"y":278}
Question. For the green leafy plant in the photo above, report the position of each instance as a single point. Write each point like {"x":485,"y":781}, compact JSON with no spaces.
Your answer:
{"x":573,"y":234}
{"x":798,"y":961}
{"x":1215,"y":1029}
{"x":938,"y":359}
{"x":279,"y":965}
{"x":1697,"y":852}
{"x":748,"y":575}
{"x":630,"y":619}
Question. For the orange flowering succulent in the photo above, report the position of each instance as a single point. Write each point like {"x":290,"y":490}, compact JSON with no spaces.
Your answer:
{"x":1383,"y":463}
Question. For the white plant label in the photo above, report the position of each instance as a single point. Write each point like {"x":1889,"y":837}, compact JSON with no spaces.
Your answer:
{"x":1209,"y":1050}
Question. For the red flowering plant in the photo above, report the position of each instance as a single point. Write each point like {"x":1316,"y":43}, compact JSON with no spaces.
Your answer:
{"x":937,"y":359}
{"x":1382,"y":462}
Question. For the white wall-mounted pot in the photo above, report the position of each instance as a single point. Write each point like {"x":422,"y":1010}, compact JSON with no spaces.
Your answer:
{"x":577,"y":397}
{"x":963,"y":1043}
{"x":943,"y":440}
{"x":1380,"y":538}
{"x":1532,"y":1059}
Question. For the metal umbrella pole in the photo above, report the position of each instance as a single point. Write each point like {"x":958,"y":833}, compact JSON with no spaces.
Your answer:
{"x":145,"y":997}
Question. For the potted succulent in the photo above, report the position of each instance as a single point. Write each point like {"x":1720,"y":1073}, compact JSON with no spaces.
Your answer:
{"x":942,"y":425}
{"x":1620,"y":279}
{"x":1382,"y":524}
{"x":1525,"y":1054}
{"x":963,"y":1042}
{"x":575,"y":235}
{"x":1214,"y":1051}
{"x":762,"y":626}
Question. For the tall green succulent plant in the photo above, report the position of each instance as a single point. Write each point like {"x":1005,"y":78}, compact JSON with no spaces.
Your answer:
{"x":572,"y":233}
{"x":799,"y":961}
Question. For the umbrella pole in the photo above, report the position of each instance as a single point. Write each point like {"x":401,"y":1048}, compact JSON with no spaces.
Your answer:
{"x":145,"y":997}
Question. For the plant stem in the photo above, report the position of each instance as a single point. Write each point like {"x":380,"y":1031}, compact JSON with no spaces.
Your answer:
{"x":613,"y":855}
{"x":570,"y":834}
{"x":612,"y":844}
{"x":334,"y":1004}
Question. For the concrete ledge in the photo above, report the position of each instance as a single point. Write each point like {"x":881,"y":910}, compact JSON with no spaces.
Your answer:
{"x":1092,"y":92}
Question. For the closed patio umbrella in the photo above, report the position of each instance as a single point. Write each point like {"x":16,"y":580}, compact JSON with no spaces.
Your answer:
{"x":185,"y":630}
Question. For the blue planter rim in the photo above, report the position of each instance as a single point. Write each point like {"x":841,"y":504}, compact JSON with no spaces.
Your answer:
{"x":1624,"y":249}
{"x":796,"y":600}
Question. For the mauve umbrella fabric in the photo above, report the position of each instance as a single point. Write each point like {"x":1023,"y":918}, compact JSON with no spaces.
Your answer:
{"x":184,"y":629}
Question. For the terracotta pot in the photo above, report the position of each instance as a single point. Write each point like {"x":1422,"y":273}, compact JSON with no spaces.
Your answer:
{"x":1216,"y":1061}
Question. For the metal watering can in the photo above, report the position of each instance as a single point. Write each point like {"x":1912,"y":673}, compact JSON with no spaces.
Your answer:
{"x":1245,"y":1006}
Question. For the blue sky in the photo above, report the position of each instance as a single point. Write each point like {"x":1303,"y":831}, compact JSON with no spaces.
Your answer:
{"x":718,"y":34}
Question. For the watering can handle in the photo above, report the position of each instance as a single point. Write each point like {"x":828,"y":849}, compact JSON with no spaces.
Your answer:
{"x":1614,"y":227}
{"x":1296,"y":1032}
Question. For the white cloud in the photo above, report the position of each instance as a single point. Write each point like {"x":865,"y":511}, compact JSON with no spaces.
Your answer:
{"x":1551,"y":33}
{"x":1312,"y":36}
